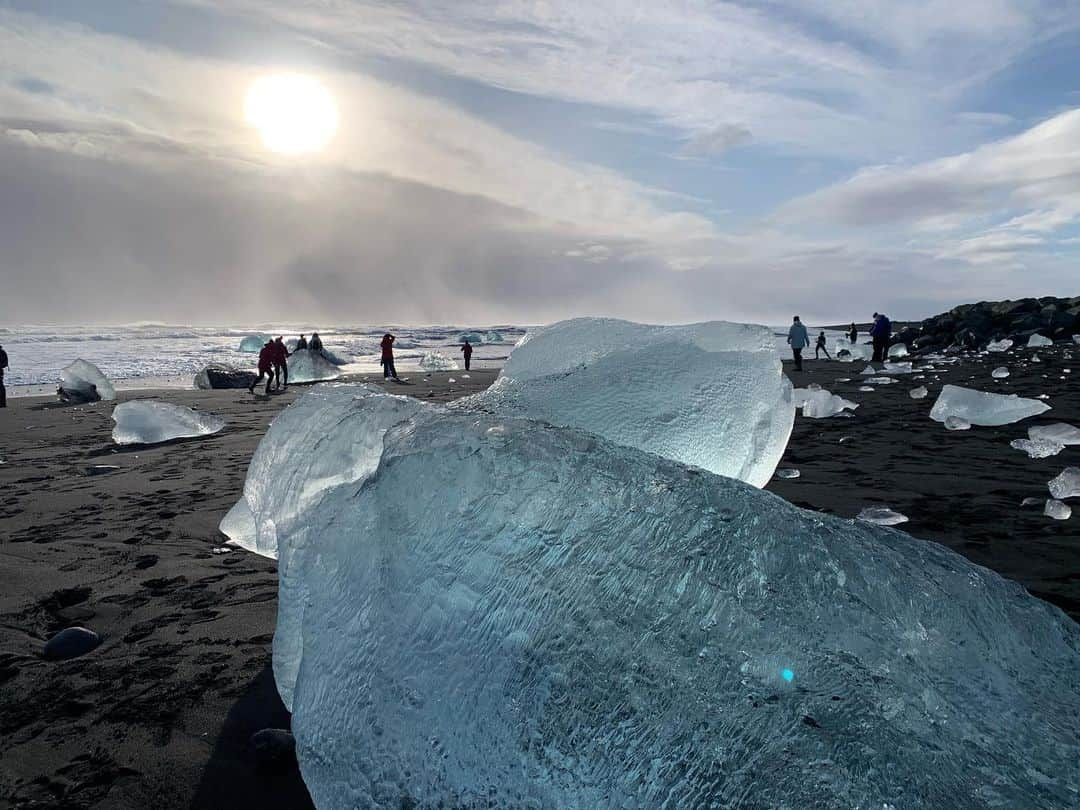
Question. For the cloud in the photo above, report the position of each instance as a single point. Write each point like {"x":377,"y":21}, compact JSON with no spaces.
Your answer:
{"x":718,"y":140}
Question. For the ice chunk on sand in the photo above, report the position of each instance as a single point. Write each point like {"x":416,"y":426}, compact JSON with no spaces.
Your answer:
{"x":918,"y":393}
{"x":956,"y":423}
{"x":329,"y":436}
{"x":306,"y":366}
{"x":982,"y":407}
{"x":147,"y":421}
{"x":83,"y":382}
{"x":1036,"y":448}
{"x":1057,"y":510}
{"x":866,"y":388}
{"x":510,"y":614}
{"x":1000,"y":373}
{"x":1031,"y":502}
{"x":1039,"y":340}
{"x":999,"y":345}
{"x":1059,"y":432}
{"x":253,"y":343}
{"x":820,"y":404}
{"x":882,"y":516}
{"x":1066,"y":485}
{"x":899,"y":350}
{"x":437,"y":361}
{"x":788,"y":473}
{"x":850,"y":352}
{"x":868,"y":371}
{"x":1076,"y":339}
{"x":880,"y":380}
{"x":897,"y":368}
{"x":709,"y":394}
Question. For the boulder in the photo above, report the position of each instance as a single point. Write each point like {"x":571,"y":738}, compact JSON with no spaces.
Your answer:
{"x":216,"y":375}
{"x":71,"y":643}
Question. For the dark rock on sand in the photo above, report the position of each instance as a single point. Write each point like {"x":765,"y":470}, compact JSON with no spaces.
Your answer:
{"x":273,"y":746}
{"x":219,"y":376}
{"x":71,"y":643}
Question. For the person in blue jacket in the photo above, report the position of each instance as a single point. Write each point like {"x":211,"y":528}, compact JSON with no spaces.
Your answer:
{"x":881,"y":332}
{"x":799,"y":340}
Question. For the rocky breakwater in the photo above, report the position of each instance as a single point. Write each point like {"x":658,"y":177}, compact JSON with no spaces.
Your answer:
{"x":972,"y":326}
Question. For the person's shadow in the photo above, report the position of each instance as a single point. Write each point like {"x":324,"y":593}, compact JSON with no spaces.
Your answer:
{"x":233,"y":777}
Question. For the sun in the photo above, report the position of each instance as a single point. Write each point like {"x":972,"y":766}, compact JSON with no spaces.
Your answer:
{"x":294,"y":114}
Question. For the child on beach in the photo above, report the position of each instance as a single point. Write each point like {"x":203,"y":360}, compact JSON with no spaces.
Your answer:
{"x":820,"y":347}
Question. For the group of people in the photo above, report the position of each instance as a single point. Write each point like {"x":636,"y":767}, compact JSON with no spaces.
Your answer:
{"x":880,"y":335}
{"x":274,"y":363}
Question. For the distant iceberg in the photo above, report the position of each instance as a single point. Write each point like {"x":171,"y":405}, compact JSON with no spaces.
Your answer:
{"x":253,"y":343}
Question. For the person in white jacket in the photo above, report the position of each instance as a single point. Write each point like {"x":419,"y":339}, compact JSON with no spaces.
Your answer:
{"x":799,"y":340}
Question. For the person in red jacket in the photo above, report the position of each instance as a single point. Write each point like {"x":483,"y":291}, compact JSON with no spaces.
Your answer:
{"x":466,"y":349}
{"x":266,"y":366}
{"x":281,"y":363}
{"x":387,"y":346}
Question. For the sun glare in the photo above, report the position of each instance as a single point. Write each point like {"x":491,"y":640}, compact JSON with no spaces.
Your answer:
{"x":293,"y":114}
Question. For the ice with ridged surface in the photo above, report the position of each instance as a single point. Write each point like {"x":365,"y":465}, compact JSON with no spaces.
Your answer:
{"x":83,"y":380}
{"x":1060,"y":432}
{"x":503,"y":613}
{"x":710,"y":394}
{"x":437,"y":361}
{"x":148,"y":421}
{"x":306,"y":366}
{"x":1067,"y":484}
{"x":1037,"y":448}
{"x":983,"y":407}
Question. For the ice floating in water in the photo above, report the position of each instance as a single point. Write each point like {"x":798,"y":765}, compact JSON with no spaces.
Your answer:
{"x":820,"y":404}
{"x":882,"y":516}
{"x":306,"y":366}
{"x":437,"y":361}
{"x":1066,"y":485}
{"x":467,"y":628}
{"x":854,"y":351}
{"x":788,"y":472}
{"x":148,"y":421}
{"x":83,"y":381}
{"x":956,"y":423}
{"x":709,"y":394}
{"x":1036,"y":448}
{"x":253,"y":343}
{"x":982,"y":407}
{"x":1057,"y":510}
{"x":897,"y":368}
{"x":999,"y":345}
{"x":1000,"y":373}
{"x":1059,"y":432}
{"x":899,"y":350}
{"x":1039,"y":340}
{"x":868,"y":371}
{"x":918,"y":393}
{"x":880,"y":380}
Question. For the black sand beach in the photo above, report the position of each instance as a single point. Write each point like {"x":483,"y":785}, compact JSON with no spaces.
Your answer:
{"x":160,"y":715}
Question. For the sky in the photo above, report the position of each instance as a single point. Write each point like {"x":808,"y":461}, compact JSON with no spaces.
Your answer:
{"x":529,"y":160}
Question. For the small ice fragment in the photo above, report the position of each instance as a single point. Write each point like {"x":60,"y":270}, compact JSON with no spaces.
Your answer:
{"x":820,"y":404}
{"x":1066,"y":485}
{"x":844,"y":439}
{"x":466,"y":376}
{"x":880,"y":380}
{"x":843,"y":379}
{"x":918,"y":393}
{"x":868,"y":371}
{"x":813,"y":387}
{"x":999,"y":345}
{"x":1000,"y":373}
{"x":1031,"y":502}
{"x":881,"y":515}
{"x":1039,"y":340}
{"x":866,"y":388}
{"x":1076,"y":339}
{"x":1043,"y":396}
{"x":1057,"y":510}
{"x":221,"y":550}
{"x":1059,"y":432}
{"x":897,"y":368}
{"x":983,"y":407}
{"x":100,"y":469}
{"x":1035,"y":358}
{"x":451,"y":380}
{"x":1036,"y":448}
{"x":899,"y":350}
{"x":787,"y":473}
{"x":956,"y":423}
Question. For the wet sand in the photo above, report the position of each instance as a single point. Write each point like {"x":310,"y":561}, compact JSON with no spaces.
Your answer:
{"x":161,"y":713}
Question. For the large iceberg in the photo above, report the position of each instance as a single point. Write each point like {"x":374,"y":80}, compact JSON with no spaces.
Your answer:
{"x":307,"y":366}
{"x":148,"y":421}
{"x":982,"y":407}
{"x":709,"y":394}
{"x":82,"y":381}
{"x":489,"y":611}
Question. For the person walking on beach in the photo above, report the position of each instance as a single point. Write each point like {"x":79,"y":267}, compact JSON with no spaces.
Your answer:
{"x":301,"y":343}
{"x":281,"y":363}
{"x":266,"y":366}
{"x":799,"y":340}
{"x":387,"y":346}
{"x":820,"y":346}
{"x":3,"y":366}
{"x":880,"y":332}
{"x":853,"y":333}
{"x":316,"y":342}
{"x":466,"y":349}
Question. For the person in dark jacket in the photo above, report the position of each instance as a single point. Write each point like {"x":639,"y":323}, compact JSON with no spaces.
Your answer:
{"x":281,"y":363}
{"x":880,"y":332}
{"x":387,"y":359}
{"x":466,"y":349}
{"x":316,"y":342}
{"x":820,"y":347}
{"x":266,"y":366}
{"x":853,"y":333}
{"x":799,"y":340}
{"x":301,"y":343}
{"x":3,"y":366}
